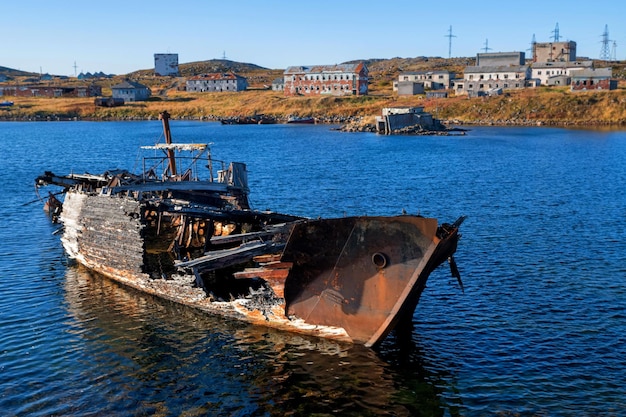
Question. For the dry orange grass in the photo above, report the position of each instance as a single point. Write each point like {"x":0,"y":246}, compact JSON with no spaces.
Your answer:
{"x":546,"y":105}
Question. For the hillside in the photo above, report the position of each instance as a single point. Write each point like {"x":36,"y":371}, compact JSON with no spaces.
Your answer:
{"x":554,"y":106}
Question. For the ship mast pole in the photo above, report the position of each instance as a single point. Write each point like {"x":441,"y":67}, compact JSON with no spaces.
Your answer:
{"x":165,"y":116}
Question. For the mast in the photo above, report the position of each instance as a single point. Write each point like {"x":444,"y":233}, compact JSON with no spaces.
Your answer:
{"x":165,"y":116}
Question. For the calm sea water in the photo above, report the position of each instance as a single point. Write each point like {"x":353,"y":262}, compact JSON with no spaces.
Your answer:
{"x":539,"y":330}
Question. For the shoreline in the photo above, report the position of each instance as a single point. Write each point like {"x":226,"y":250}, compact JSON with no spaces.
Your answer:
{"x":344,"y":121}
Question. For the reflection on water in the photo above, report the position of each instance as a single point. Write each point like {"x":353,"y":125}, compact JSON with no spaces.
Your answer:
{"x":142,"y":350}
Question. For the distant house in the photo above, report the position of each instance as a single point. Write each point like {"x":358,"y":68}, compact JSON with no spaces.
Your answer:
{"x":593,"y":79}
{"x":437,"y":94}
{"x":500,"y":59}
{"x":410,"y":88}
{"x":50,"y":91}
{"x":432,"y":80}
{"x":494,"y":72}
{"x":477,"y":80}
{"x":278,"y":84}
{"x":558,"y":80}
{"x":556,"y":73}
{"x":216,"y":82}
{"x":90,"y":76}
{"x":335,"y":80}
{"x":130,"y":91}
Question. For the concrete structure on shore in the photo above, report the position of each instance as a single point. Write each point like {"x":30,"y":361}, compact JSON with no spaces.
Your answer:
{"x":406,"y":120}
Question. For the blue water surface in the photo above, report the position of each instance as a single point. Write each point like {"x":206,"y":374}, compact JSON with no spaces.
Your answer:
{"x":538,"y":330}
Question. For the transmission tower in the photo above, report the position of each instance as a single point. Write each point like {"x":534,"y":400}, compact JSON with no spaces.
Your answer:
{"x":555,"y":33}
{"x":450,"y":36}
{"x":532,"y":46}
{"x":75,"y":68}
{"x":605,"y":52}
{"x":614,"y":52}
{"x":486,"y":48}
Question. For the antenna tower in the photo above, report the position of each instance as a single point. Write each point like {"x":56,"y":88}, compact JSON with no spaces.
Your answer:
{"x":555,"y":32}
{"x":605,"y":53}
{"x":75,"y":68}
{"x":486,"y":47}
{"x":450,"y":36}
{"x":224,"y":55}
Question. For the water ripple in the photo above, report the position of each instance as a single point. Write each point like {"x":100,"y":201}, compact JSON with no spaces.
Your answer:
{"x":539,"y":329}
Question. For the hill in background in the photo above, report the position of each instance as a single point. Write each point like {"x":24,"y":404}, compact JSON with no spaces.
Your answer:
{"x":10,"y":72}
{"x":380,"y":69}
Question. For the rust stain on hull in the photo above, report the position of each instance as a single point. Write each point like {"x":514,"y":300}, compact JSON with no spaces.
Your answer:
{"x":364,"y":274}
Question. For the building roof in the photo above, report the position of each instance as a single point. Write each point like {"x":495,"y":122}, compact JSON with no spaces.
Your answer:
{"x":217,"y":76}
{"x":593,"y":73}
{"x":500,"y":68}
{"x":317,"y":69}
{"x":563,"y":64}
{"x":127,"y":84}
{"x":425,"y":72}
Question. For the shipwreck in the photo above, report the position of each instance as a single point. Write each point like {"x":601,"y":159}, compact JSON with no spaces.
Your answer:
{"x":193,"y":239}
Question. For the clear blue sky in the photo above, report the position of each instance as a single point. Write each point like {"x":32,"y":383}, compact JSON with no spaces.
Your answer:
{"x":118,"y":37}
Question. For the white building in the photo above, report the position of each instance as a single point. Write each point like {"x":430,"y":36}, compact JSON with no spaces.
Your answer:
{"x":216,"y":82}
{"x":131,"y":91}
{"x":482,"y":80}
{"x":432,"y":80}
{"x":547,"y":72}
{"x":166,"y":64}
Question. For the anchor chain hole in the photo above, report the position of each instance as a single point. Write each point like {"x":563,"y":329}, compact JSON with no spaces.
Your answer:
{"x":379,"y":260}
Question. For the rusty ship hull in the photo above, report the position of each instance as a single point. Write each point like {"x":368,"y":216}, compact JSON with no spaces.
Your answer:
{"x":198,"y":243}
